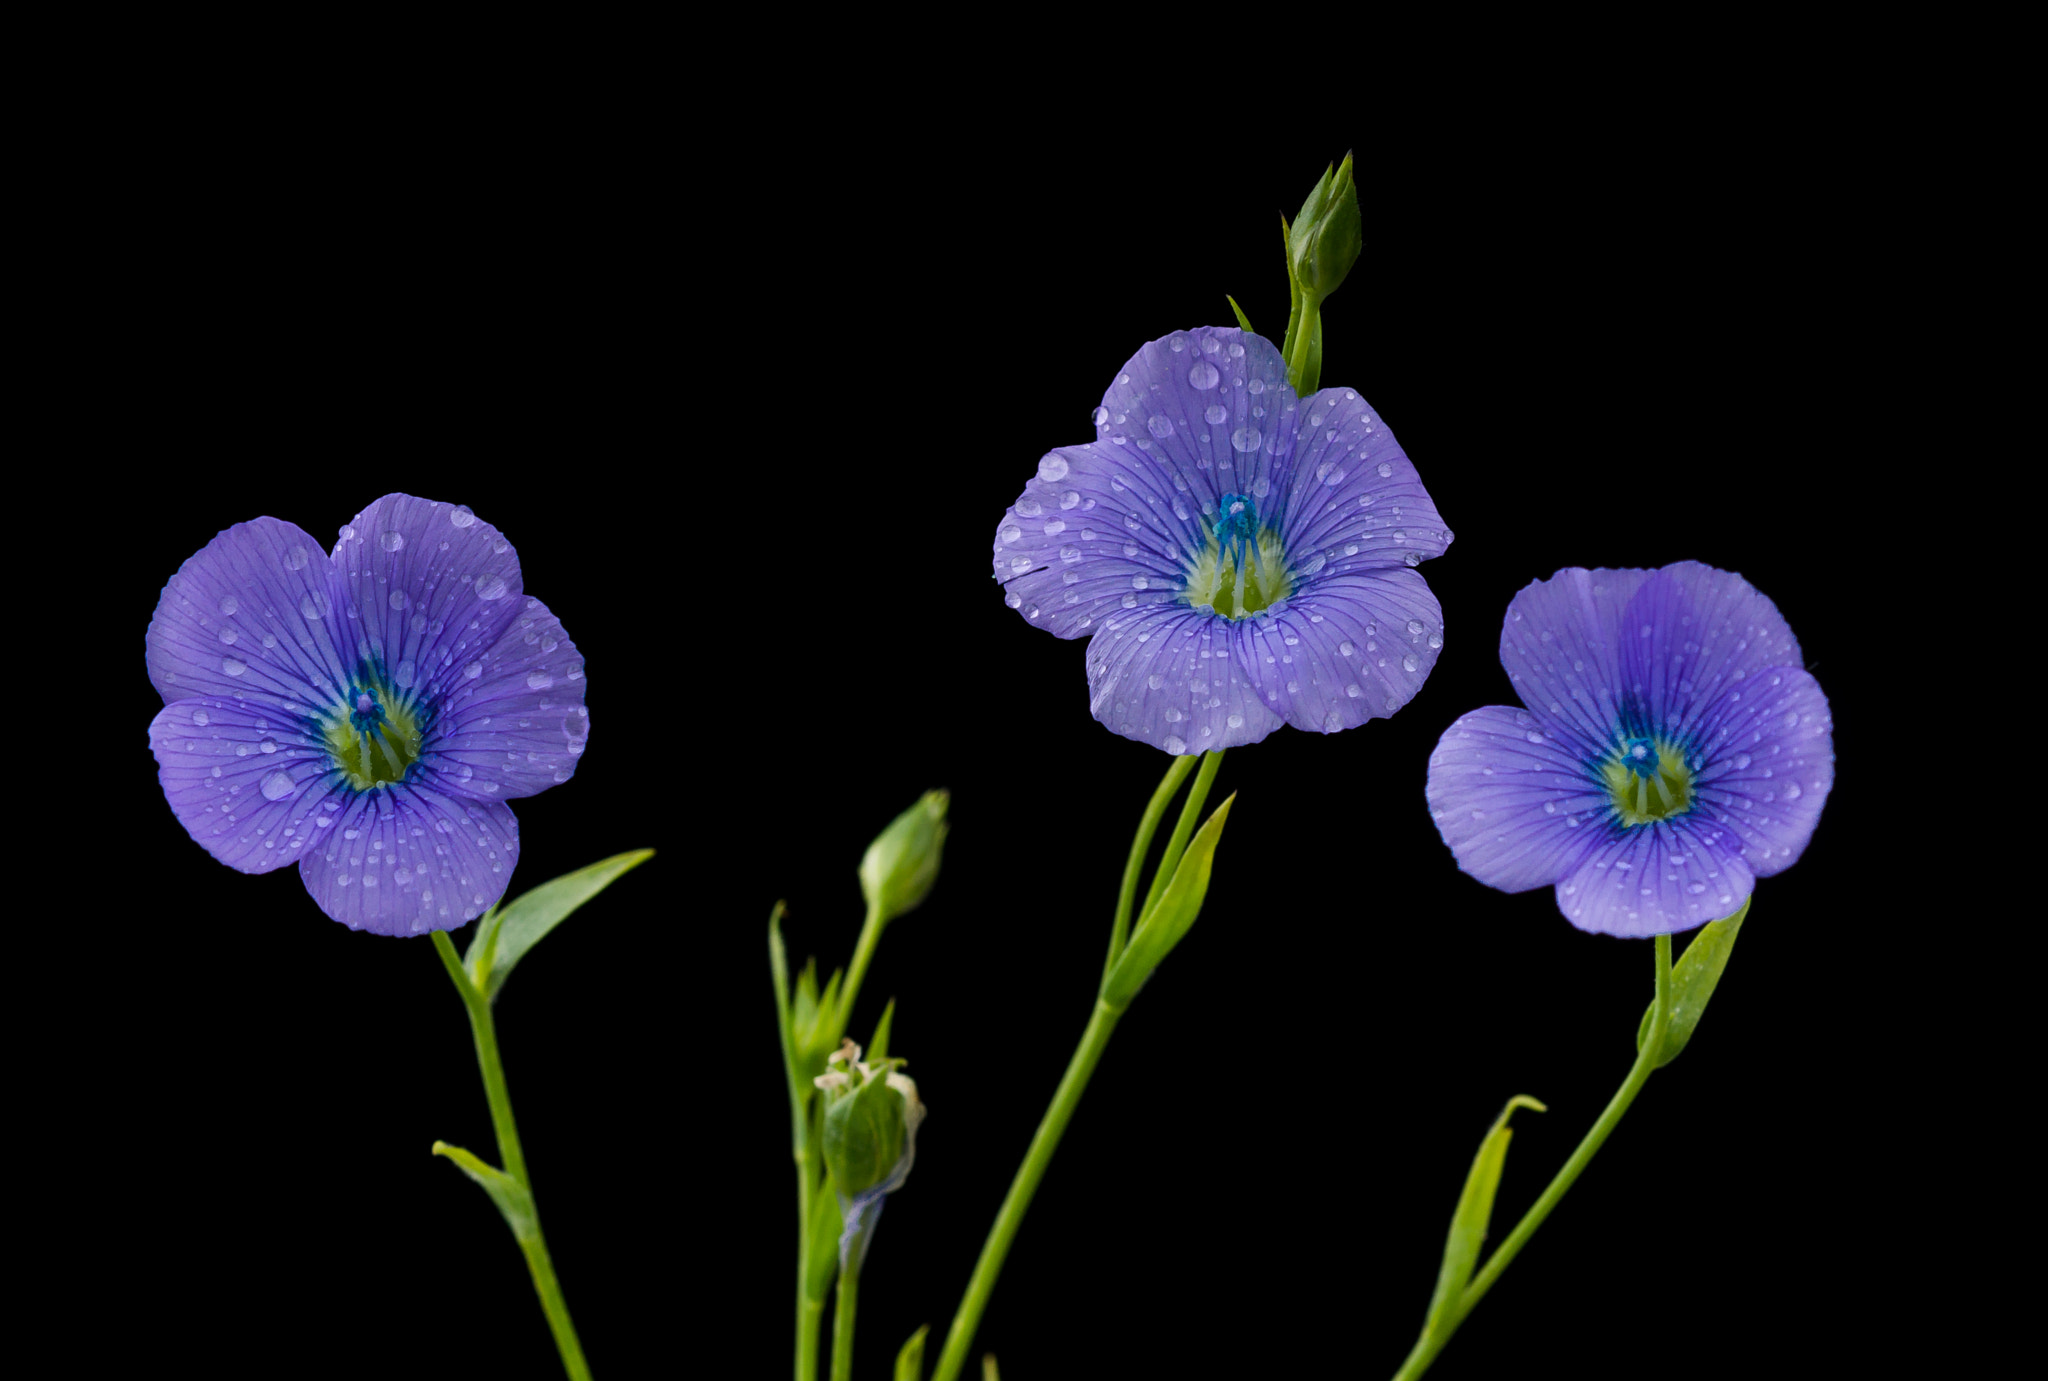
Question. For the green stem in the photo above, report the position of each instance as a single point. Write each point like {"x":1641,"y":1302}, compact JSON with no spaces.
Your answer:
{"x":961,"y":1335}
{"x":1431,"y":1343}
{"x":1304,"y":332}
{"x":531,"y":1241}
{"x":863,"y":952}
{"x":1120,"y":929}
{"x":1182,"y":828}
{"x":809,"y":1314}
{"x":842,"y":1322}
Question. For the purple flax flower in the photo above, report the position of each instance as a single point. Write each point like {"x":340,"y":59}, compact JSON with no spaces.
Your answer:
{"x":1672,"y":752}
{"x":1241,"y":556}
{"x":364,"y":715}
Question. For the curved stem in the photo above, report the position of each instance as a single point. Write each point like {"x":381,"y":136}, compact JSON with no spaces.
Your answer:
{"x":1148,"y":825}
{"x":531,"y":1241}
{"x":960,"y":1337}
{"x":863,"y":953}
{"x":1432,"y":1342}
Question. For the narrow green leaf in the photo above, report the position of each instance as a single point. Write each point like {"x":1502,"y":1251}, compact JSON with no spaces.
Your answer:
{"x":483,"y":948}
{"x":522,"y":925}
{"x":803,"y":1008}
{"x":910,"y":1361}
{"x":778,"y":967}
{"x":878,"y":1048}
{"x":1293,"y":293}
{"x":507,"y":1193}
{"x":1693,"y":980}
{"x":1170,"y":919}
{"x":988,"y":1368}
{"x":1243,"y":321}
{"x":831,"y":1022}
{"x":1468,"y":1223}
{"x":826,"y":1225}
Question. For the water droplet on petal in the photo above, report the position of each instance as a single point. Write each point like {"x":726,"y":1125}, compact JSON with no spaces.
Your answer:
{"x":1159,"y":426}
{"x":228,"y":604}
{"x":490,"y":587}
{"x":1217,"y":414}
{"x":1173,"y":743}
{"x":201,"y":717}
{"x":1203,"y":376}
{"x":276,"y":787}
{"x":461,"y":516}
{"x":313,"y":604}
{"x":392,"y":541}
{"x":404,"y":673}
{"x":1246,"y":439}
{"x":1053,"y":468}
{"x":538,"y":680}
{"x":472,"y":671}
{"x":1385,"y":469}
{"x":233,"y":667}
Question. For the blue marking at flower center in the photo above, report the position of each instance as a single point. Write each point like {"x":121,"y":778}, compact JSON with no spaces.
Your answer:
{"x":367,"y":715}
{"x":1639,"y":755}
{"x":1237,"y":529}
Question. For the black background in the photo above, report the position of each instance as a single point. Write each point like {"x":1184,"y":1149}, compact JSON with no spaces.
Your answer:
{"x":750,"y":414}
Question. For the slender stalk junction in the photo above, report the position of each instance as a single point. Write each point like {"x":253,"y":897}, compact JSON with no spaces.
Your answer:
{"x":1094,"y":1040}
{"x":514,"y":1200}
{"x":1433,"y":1338}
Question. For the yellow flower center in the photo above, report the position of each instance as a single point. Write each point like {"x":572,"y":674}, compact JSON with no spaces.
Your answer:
{"x":1647,"y":780}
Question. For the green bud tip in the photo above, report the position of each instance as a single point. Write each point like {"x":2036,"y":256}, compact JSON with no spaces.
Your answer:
{"x":1328,"y":236}
{"x":902,"y":864}
{"x":871,"y":1119}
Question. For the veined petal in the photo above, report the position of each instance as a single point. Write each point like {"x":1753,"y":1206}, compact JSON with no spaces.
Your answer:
{"x":1346,"y":648}
{"x":1689,"y":633}
{"x":512,"y":720}
{"x":1210,"y":409}
{"x":248,"y":781}
{"x":432,"y":585}
{"x":1560,"y":646}
{"x":252,"y":617}
{"x":1174,"y":678}
{"x":1515,"y":805}
{"x":1770,"y":763}
{"x":1656,"y":879}
{"x":406,"y":859}
{"x":1095,"y":531}
{"x":1355,"y":494}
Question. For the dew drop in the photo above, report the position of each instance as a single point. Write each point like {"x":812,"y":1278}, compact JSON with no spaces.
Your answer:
{"x":490,"y":587}
{"x":461,"y":516}
{"x":1217,"y":414}
{"x":1408,"y":663}
{"x":538,"y":680}
{"x":1173,"y":743}
{"x":276,"y":787}
{"x":313,"y":604}
{"x":228,"y":604}
{"x":1347,"y":649}
{"x":1054,"y":468}
{"x":1203,"y":376}
{"x":472,"y":671}
{"x":233,"y":667}
{"x":392,"y":541}
{"x":201,"y":717}
{"x":1159,"y":426}
{"x":1385,"y":469}
{"x":404,"y":673}
{"x":1246,"y":439}
{"x":295,"y":559}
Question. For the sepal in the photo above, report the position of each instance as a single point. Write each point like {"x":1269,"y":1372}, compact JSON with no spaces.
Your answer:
{"x":1693,"y":980}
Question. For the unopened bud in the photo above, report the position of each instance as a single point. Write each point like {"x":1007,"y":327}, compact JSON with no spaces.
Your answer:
{"x":902,"y":864}
{"x":1327,"y":237}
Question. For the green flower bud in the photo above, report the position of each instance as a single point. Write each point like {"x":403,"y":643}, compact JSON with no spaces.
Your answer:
{"x":1327,"y":237}
{"x":871,"y":1117}
{"x":903,"y":862}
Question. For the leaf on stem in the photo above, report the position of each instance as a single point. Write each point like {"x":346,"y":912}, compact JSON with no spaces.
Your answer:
{"x":508,"y":932}
{"x":508,"y":1194}
{"x":1693,"y":979}
{"x":1468,"y":1224}
{"x":878,"y":1048}
{"x":910,"y":1361}
{"x":1172,"y":916}
{"x":1243,"y":321}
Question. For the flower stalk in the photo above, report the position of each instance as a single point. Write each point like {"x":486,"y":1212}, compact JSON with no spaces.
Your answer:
{"x":1441,"y":1326}
{"x":1094,"y":1037}
{"x":509,"y":1188}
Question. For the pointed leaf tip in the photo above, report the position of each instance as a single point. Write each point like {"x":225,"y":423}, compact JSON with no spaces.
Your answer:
{"x":1693,"y":980}
{"x":524,"y":923}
